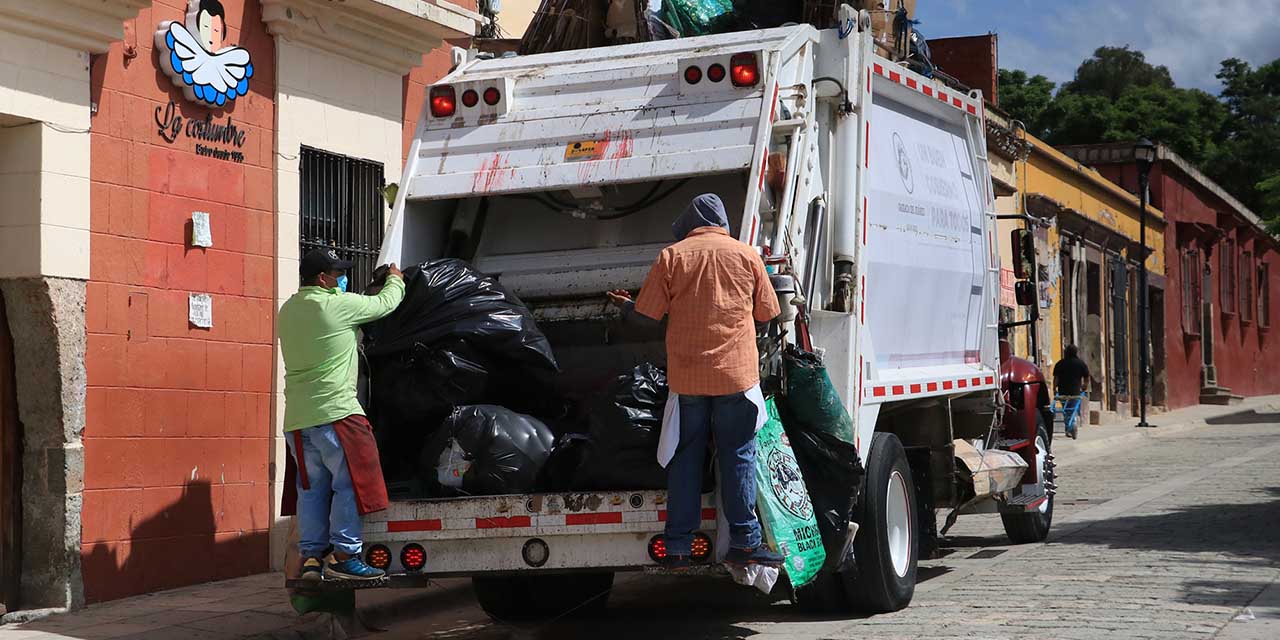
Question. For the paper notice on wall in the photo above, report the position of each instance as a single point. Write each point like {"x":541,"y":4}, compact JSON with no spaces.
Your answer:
{"x":200,"y":310}
{"x":201,"y":234}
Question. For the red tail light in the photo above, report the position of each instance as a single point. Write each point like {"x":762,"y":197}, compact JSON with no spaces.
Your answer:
{"x":744,"y":70}
{"x":693,"y":75}
{"x":658,"y":548}
{"x":378,"y":557}
{"x":701,"y":548}
{"x":443,"y":101}
{"x":715,"y":72}
{"x":470,"y":98}
{"x":492,"y":96}
{"x":413,"y":557}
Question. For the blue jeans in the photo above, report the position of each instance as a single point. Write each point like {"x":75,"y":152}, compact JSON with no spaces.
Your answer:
{"x":731,"y":420}
{"x":1071,"y":411}
{"x":327,"y":513}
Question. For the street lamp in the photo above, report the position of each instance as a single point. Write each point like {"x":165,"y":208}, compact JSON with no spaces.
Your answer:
{"x":1144,"y":154}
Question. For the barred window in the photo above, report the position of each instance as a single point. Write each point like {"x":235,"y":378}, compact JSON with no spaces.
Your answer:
{"x":1227,"y":274}
{"x":342,"y":208}
{"x":1246,"y":286}
{"x":1191,"y":294}
{"x":1264,"y":295}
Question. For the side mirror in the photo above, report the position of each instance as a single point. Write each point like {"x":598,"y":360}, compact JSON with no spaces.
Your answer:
{"x":1023,"y":246}
{"x":1025,"y":293}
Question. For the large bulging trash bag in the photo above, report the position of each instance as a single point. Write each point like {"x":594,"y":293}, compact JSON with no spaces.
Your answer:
{"x":811,"y":398}
{"x":837,"y":472}
{"x":783,"y":500}
{"x":447,"y":299}
{"x":486,"y":450}
{"x":624,"y":432}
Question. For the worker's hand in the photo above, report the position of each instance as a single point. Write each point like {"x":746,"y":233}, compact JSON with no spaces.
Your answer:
{"x":619,"y":297}
{"x":393,"y":270}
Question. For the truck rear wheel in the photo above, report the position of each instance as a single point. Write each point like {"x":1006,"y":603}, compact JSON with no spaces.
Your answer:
{"x":1033,"y":526}
{"x":887,"y":544}
{"x":542,"y":596}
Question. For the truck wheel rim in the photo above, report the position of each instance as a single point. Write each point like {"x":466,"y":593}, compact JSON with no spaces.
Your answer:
{"x":1042,"y":463}
{"x":898,"y":523}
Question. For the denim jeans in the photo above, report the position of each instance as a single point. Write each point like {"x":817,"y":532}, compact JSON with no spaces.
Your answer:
{"x":731,"y":420}
{"x":327,"y":511}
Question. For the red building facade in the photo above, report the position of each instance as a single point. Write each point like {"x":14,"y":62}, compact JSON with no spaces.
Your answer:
{"x":1220,"y":339}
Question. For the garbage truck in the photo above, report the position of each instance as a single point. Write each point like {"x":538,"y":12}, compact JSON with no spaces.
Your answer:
{"x":866,"y":183}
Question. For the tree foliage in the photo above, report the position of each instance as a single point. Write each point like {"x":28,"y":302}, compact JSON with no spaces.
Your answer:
{"x":1117,"y":96}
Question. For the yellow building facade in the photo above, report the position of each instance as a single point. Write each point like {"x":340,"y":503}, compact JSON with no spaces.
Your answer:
{"x":1087,"y":232}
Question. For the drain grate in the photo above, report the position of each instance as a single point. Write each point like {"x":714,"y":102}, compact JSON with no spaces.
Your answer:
{"x":986,"y":554}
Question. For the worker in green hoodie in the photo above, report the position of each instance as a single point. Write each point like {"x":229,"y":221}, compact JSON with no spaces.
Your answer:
{"x":337,"y":474}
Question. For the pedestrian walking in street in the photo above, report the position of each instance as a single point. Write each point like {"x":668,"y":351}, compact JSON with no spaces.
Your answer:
{"x":335,"y":458}
{"x":1071,"y":384}
{"x":712,"y":289}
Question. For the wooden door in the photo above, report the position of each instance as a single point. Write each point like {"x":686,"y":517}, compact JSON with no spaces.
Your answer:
{"x":10,"y":471}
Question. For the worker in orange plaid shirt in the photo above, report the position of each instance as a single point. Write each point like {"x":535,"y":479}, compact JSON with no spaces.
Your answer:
{"x":712,"y":289}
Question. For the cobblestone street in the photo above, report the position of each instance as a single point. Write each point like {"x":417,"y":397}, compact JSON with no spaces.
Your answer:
{"x":1162,"y":534}
{"x":1166,"y":535}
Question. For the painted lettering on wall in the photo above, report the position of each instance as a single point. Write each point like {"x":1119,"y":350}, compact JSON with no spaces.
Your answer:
{"x":170,"y":125}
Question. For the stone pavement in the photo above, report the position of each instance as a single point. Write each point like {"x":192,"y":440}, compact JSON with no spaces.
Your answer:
{"x":1166,"y":533}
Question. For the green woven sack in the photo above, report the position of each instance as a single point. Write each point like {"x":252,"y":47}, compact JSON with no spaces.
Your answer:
{"x":789,"y":522}
{"x":698,"y":17}
{"x":812,"y":400}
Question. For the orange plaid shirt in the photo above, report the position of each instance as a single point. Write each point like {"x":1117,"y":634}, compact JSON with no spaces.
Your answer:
{"x":713,"y":289}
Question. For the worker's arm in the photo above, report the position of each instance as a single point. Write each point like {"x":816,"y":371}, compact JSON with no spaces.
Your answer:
{"x":765,"y":307}
{"x":655,"y":293}
{"x":355,"y":309}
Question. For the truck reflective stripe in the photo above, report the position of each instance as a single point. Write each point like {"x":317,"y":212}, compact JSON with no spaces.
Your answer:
{"x":512,"y":522}
{"x":612,"y":517}
{"x":397,"y":526}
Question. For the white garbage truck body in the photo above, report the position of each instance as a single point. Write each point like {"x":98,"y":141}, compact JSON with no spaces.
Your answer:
{"x":561,"y":173}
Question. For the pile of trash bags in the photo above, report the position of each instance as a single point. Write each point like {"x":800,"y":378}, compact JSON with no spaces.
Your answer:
{"x":459,"y":338}
{"x":463,"y":398}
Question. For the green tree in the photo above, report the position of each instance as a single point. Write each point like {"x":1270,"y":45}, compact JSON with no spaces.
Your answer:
{"x":1247,"y":160}
{"x":1113,"y":70}
{"x":1025,"y":98}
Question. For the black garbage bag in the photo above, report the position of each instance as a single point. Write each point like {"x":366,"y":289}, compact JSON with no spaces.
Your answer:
{"x":486,"y":450}
{"x":625,"y":428}
{"x":835,"y":463}
{"x":448,"y":300}
{"x":566,"y":459}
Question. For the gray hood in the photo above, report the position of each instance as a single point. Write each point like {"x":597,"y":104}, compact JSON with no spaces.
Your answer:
{"x":706,"y":210}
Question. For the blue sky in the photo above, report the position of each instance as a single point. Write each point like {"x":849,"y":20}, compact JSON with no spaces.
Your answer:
{"x":1052,"y":37}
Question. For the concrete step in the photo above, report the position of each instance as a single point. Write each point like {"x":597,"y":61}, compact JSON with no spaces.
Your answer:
{"x":1219,"y":396}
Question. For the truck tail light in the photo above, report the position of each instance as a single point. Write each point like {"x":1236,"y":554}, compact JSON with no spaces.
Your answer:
{"x":378,"y":557}
{"x":443,"y":101}
{"x":701,"y":549}
{"x":470,"y":98}
{"x":744,"y":70}
{"x":413,"y":557}
{"x":693,"y":75}
{"x":658,"y":548}
{"x":492,"y":96}
{"x":715,"y":72}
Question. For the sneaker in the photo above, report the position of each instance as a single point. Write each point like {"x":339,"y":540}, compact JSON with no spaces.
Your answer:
{"x":760,"y":555}
{"x":352,"y":568}
{"x":676,"y":563}
{"x":312,"y":569}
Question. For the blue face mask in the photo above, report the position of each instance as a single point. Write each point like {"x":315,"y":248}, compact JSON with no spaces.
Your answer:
{"x":342,"y":283}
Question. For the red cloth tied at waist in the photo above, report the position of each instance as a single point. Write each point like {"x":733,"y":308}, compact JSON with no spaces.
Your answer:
{"x":361,"y":450}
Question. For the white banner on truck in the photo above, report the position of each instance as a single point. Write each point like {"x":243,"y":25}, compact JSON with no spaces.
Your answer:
{"x":925,"y":241}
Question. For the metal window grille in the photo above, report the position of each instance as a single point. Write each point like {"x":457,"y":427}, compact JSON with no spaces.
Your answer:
{"x":1264,"y":295}
{"x":1191,"y":278}
{"x":342,"y":208}
{"x":1246,"y":286}
{"x":1228,"y":275}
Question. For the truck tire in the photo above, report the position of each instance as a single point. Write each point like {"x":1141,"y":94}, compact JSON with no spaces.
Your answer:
{"x":1033,"y":526}
{"x":542,"y":596}
{"x":887,"y":545}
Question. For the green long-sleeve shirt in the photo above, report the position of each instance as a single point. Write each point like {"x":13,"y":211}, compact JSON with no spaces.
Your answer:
{"x":318,"y":330}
